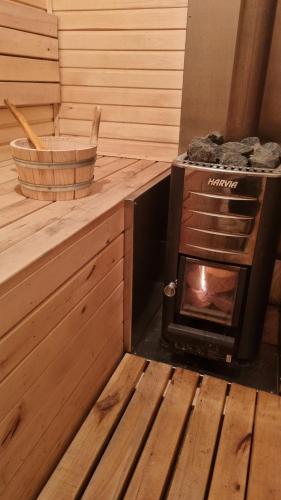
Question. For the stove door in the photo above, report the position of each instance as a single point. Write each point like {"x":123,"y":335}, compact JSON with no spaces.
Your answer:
{"x":210,"y":291}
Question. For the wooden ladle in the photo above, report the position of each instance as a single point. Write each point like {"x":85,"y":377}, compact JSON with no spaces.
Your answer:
{"x":32,"y":136}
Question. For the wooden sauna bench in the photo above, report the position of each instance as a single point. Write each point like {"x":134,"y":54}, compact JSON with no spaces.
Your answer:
{"x":61,"y":313}
{"x":158,"y":432}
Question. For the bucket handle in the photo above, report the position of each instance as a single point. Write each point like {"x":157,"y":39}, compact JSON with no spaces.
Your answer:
{"x":95,"y":126}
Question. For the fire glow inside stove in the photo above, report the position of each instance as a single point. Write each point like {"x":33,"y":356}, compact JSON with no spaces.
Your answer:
{"x":223,"y":230}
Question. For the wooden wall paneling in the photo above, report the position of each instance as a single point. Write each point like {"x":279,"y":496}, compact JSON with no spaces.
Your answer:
{"x":160,"y":40}
{"x":21,"y":43}
{"x":25,"y":18}
{"x":139,"y":60}
{"x":28,"y":294}
{"x":137,"y":19}
{"x":275,"y":291}
{"x":129,"y":56}
{"x":129,"y":114}
{"x":127,"y":97}
{"x":116,"y":4}
{"x":55,"y":439}
{"x":29,"y":94}
{"x":58,"y":381}
{"x":14,"y":386}
{"x":19,"y":69}
{"x":39,"y":4}
{"x":115,"y":130}
{"x":270,"y":119}
{"x":29,"y":66}
{"x":16,"y":345}
{"x":122,"y":78}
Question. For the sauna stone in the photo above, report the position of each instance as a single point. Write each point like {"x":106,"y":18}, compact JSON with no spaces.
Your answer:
{"x":203,"y":149}
{"x":216,"y":137}
{"x":265,"y":158}
{"x":233,"y":159}
{"x":251,"y":141}
{"x":237,"y":148}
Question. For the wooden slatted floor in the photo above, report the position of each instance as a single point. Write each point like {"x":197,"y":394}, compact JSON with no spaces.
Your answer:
{"x":159,"y":432}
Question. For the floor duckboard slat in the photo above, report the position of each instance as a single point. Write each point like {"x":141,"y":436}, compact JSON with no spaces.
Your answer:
{"x":149,"y":479}
{"x":161,"y":432}
{"x":113,"y":471}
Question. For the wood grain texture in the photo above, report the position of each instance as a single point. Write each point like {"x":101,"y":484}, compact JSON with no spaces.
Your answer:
{"x":138,"y":59}
{"x":118,"y":459}
{"x":265,"y":482}
{"x":272,"y":325}
{"x":39,"y":4}
{"x":19,"y":69}
{"x":160,"y":40}
{"x":68,"y":368}
{"x":21,"y":43}
{"x":123,"y":19}
{"x":275,"y":291}
{"x":24,"y":18}
{"x":116,"y":4}
{"x":86,"y":448}
{"x":192,"y":469}
{"x":126,"y":54}
{"x":149,"y":479}
{"x":231,"y":466}
{"x":122,"y":114}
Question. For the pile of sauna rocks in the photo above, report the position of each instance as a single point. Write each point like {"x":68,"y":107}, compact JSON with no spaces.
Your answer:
{"x":248,"y":152}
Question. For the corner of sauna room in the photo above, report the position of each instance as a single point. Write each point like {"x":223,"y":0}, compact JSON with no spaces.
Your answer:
{"x":140,"y":249}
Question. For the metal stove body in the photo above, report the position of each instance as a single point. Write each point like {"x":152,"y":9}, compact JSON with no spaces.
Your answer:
{"x":223,"y":230}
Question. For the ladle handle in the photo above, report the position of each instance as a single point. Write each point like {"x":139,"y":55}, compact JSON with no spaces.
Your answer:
{"x":32,"y":136}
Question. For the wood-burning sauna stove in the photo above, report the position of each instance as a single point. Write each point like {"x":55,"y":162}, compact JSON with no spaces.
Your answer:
{"x":223,"y":230}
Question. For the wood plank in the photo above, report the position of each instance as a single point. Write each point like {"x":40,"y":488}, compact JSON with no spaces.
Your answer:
{"x":8,"y":173}
{"x":275,"y":291}
{"x":34,"y":114}
{"x":193,"y":466}
{"x":125,"y":78}
{"x":56,"y":271}
{"x":128,"y":272}
{"x":126,"y":131}
{"x":22,"y":17}
{"x":272,"y":325}
{"x":68,"y":479}
{"x":39,"y":4}
{"x":125,"y":97}
{"x":123,"y":19}
{"x":165,"y":40}
{"x":25,"y":94}
{"x":10,"y":133}
{"x":18,"y":343}
{"x":23,"y":69}
{"x":5,"y":153}
{"x":21,"y":43}
{"x":127,"y":114}
{"x":150,"y":476}
{"x":231,"y":467}
{"x":34,"y":472}
{"x":116,"y":4}
{"x":19,"y":210}
{"x":264,"y":478}
{"x":58,"y":381}
{"x":124,"y":59}
{"x":45,"y":235}
{"x":30,"y":369}
{"x":139,"y":149}
{"x":114,"y":468}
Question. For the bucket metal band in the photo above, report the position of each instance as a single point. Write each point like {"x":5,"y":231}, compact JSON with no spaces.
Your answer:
{"x":55,"y":166}
{"x":55,"y":188}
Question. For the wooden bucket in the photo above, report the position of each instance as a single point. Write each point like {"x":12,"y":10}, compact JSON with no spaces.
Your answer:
{"x":64,"y":171}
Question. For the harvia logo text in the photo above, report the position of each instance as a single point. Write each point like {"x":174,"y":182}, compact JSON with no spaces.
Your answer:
{"x":222,"y":183}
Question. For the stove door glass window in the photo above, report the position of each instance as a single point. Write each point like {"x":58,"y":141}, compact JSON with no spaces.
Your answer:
{"x":209,"y":292}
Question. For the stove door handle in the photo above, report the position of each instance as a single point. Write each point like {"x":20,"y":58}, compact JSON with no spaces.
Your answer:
{"x":170,"y":289}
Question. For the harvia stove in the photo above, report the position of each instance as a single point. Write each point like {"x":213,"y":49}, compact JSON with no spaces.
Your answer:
{"x":223,"y":230}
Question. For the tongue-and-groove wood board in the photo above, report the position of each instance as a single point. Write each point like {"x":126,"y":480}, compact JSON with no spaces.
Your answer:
{"x":159,"y":432}
{"x":61,"y":313}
